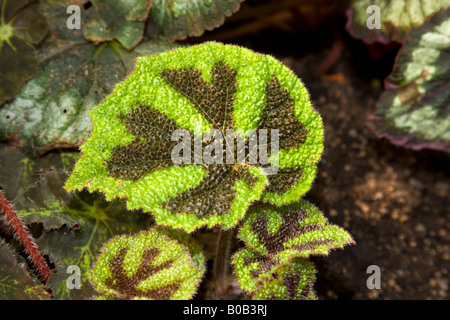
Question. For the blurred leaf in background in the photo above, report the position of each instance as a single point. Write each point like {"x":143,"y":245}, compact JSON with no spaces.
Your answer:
{"x":18,"y":171}
{"x":120,"y":20}
{"x":414,"y":110}
{"x":21,"y":26}
{"x":397,"y":18}
{"x":178,"y":19}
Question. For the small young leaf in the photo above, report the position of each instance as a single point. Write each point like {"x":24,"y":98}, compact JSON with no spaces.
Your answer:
{"x":414,"y":110}
{"x":396,"y":18}
{"x":251,"y":268}
{"x":120,"y":20}
{"x":149,"y":265}
{"x":21,"y":26}
{"x":179,"y":19}
{"x":298,"y":229}
{"x":200,"y":88}
{"x":291,"y":281}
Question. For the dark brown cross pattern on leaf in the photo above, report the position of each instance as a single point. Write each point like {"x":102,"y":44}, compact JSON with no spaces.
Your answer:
{"x":214,"y":101}
{"x":150,"y":150}
{"x":290,"y":228}
{"x":126,"y":286}
{"x":152,"y":147}
{"x":291,"y":281}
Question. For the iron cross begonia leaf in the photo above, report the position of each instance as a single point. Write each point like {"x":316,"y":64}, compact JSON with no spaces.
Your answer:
{"x":265,"y":277}
{"x":16,"y":283}
{"x":291,"y":281}
{"x":148,"y":265}
{"x":220,"y":97}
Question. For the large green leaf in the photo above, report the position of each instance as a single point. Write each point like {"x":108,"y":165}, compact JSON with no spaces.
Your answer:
{"x":122,"y":20}
{"x":178,"y":19}
{"x":21,"y":26}
{"x":414,"y":110}
{"x":149,"y":265}
{"x":202,"y":89}
{"x":75,"y":226}
{"x":15,"y":281}
{"x":397,"y":17}
{"x":74,"y":75}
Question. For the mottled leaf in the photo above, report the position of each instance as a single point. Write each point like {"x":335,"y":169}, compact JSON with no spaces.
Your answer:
{"x":74,"y":75}
{"x":298,"y":229}
{"x":75,"y":226}
{"x":121,"y":20}
{"x":149,"y":265}
{"x":396,"y":17}
{"x":15,"y":280}
{"x":21,"y":26}
{"x":414,"y":110}
{"x":178,"y":19}
{"x":205,"y":89}
{"x":291,"y":281}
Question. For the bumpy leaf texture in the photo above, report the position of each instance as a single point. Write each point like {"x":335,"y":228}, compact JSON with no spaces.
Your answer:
{"x":202,"y":89}
{"x":397,"y":17}
{"x":291,"y":281}
{"x":21,"y":26}
{"x":276,"y":237}
{"x":414,"y":110}
{"x":149,"y":265}
{"x":74,"y":228}
{"x":74,"y":75}
{"x":121,"y":20}
{"x":178,"y":19}
{"x":298,"y":229}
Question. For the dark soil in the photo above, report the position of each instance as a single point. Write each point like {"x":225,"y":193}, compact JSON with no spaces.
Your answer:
{"x":394,"y":201}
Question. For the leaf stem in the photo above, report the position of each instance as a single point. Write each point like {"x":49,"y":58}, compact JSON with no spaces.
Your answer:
{"x":221,"y":261}
{"x":25,"y":238}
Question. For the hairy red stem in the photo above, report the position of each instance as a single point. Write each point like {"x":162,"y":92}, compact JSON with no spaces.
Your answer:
{"x":27,"y":241}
